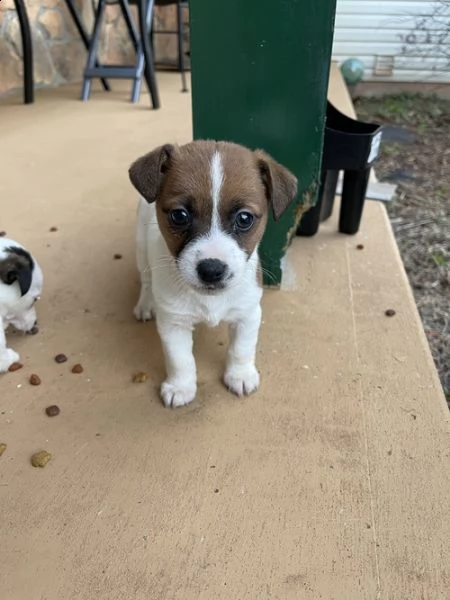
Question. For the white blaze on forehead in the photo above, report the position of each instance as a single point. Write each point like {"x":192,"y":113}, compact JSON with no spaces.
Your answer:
{"x":215,"y":243}
{"x":216,"y":187}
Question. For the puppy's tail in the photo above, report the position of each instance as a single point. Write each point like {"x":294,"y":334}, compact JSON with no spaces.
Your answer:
{"x":17,"y":265}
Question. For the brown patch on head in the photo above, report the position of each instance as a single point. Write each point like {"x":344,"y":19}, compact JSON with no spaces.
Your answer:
{"x":280,"y":184}
{"x":147,"y":172}
{"x":187,"y":186}
{"x":253,"y":181}
{"x":242,"y":191}
{"x":179,"y":179}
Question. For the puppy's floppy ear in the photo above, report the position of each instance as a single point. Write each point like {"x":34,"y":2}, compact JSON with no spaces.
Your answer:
{"x":17,"y":266}
{"x":280,"y":184}
{"x":146,"y":173}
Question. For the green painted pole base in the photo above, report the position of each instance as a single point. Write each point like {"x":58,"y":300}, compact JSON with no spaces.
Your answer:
{"x":259,"y":78}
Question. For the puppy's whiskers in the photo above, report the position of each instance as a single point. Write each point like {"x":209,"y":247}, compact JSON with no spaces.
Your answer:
{"x":162,"y":263}
{"x":180,"y":283}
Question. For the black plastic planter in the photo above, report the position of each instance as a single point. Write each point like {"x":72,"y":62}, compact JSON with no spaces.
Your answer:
{"x":350,"y":146}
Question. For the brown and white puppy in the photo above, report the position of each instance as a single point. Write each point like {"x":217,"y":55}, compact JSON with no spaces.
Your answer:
{"x":202,"y":213}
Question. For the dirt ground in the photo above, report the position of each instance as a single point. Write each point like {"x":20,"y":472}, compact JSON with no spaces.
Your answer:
{"x":416,"y":157}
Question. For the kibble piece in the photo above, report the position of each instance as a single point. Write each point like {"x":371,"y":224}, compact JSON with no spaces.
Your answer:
{"x":2,"y":448}
{"x":60,"y":358}
{"x":15,"y":367}
{"x":52,"y":229}
{"x":52,"y":411}
{"x":117,"y":256}
{"x":40,"y":459}
{"x":35,"y":379}
{"x":390,"y":312}
{"x":2,"y":233}
{"x":77,"y":369}
{"x":360,"y":247}
{"x":139,"y":377}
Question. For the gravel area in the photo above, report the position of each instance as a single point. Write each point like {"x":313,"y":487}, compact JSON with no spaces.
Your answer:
{"x":416,"y":157}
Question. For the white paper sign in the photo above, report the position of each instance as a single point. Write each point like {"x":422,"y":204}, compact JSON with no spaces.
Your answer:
{"x":375,"y":147}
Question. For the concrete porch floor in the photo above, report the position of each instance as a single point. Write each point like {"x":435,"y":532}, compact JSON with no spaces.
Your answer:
{"x":331,"y":482}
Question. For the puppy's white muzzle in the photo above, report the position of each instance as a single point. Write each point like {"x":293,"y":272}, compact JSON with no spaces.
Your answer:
{"x":212,"y":263}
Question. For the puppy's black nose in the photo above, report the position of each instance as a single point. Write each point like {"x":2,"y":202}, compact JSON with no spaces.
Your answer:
{"x":211,"y":270}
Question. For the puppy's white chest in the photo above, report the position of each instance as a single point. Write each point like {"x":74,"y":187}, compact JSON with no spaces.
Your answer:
{"x":210,"y":313}
{"x":212,"y":319}
{"x":191,"y":308}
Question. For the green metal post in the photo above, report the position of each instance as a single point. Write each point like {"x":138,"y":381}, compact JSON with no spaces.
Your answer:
{"x":259,"y":78}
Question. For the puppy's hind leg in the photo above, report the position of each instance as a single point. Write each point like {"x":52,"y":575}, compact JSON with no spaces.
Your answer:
{"x":143,"y":311}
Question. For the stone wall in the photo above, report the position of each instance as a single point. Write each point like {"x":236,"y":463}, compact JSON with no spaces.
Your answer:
{"x":59,"y":54}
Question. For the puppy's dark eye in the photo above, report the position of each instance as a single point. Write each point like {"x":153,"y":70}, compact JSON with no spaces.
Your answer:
{"x":180,"y":217}
{"x":244,"y":220}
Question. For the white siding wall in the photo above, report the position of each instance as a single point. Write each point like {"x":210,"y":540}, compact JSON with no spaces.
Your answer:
{"x":398,"y":40}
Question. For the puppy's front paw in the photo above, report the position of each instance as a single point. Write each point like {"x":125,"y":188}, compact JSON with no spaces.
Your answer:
{"x":143,"y":312}
{"x":174,"y":395}
{"x":7,"y":358}
{"x":242,"y":380}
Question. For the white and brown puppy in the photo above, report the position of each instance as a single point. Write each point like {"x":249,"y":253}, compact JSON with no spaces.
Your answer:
{"x":202,"y":213}
{"x":20,"y":286}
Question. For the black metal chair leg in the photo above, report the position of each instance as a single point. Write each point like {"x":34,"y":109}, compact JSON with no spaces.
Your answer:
{"x":134,"y":35}
{"x":84,"y":36}
{"x":28,"y":78}
{"x":92,"y":53}
{"x":352,"y":203}
{"x":149,"y":67}
{"x":181,"y":61}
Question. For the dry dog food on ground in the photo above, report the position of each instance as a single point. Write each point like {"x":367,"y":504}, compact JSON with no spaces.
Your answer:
{"x":52,"y":411}
{"x":41,"y":458}
{"x":2,"y":448}
{"x":52,"y":229}
{"x":2,"y":233}
{"x":360,"y":247}
{"x":390,"y":312}
{"x":77,"y":369}
{"x":35,"y":379}
{"x":139,"y":377}
{"x":117,"y":256}
{"x":15,"y":367}
{"x":60,"y":358}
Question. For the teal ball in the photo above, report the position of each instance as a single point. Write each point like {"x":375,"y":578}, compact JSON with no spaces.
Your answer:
{"x":352,"y":70}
